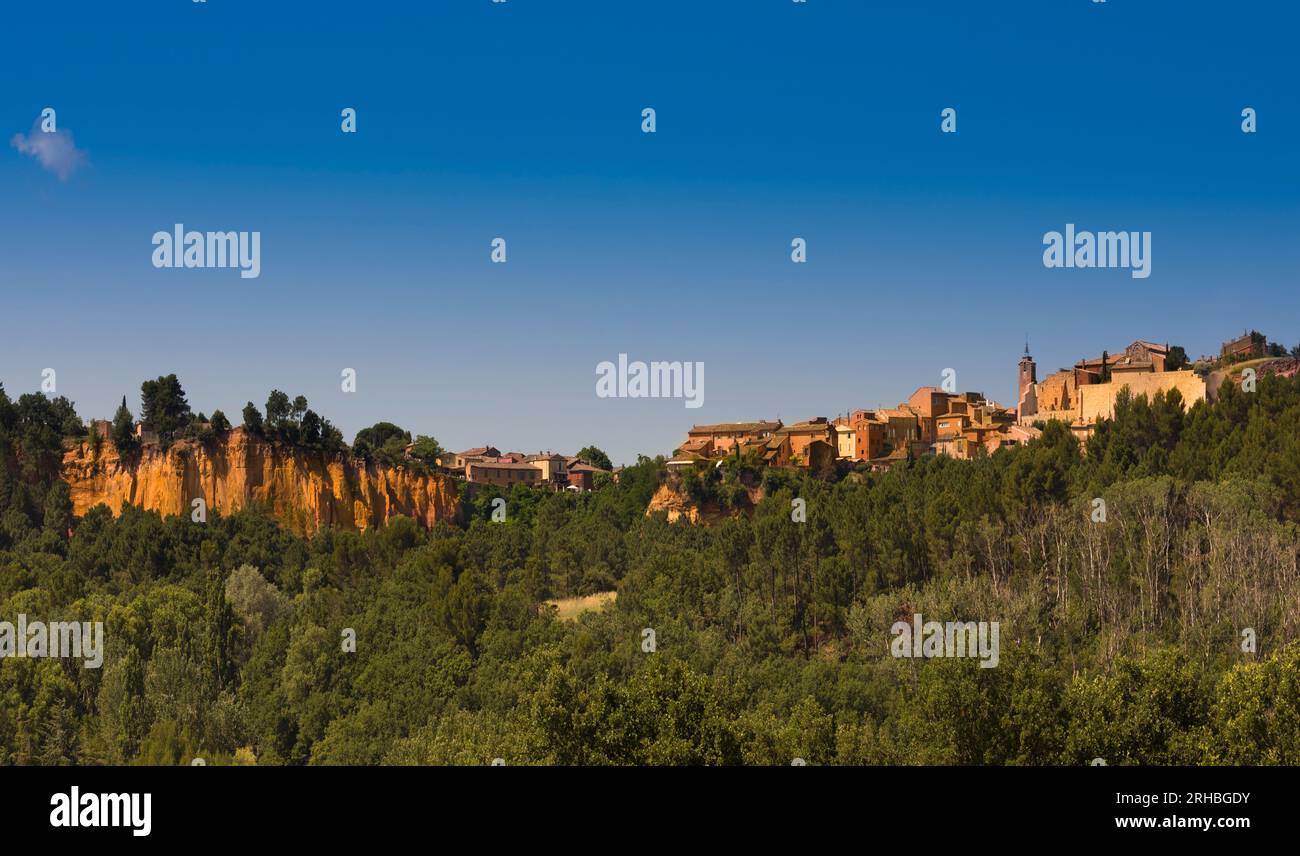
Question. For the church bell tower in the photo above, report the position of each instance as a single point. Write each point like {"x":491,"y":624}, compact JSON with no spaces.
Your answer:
{"x":1026,"y":400}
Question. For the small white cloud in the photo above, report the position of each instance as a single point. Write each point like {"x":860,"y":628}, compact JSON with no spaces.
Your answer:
{"x":54,"y":150}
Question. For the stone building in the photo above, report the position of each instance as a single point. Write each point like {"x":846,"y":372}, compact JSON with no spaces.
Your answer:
{"x":501,"y":474}
{"x":860,"y":436}
{"x":1086,"y":393}
{"x":772,"y":452}
{"x":581,"y":476}
{"x":1246,"y":346}
{"x":458,"y":460}
{"x":804,"y":437}
{"x":552,"y":465}
{"x":723,"y":436}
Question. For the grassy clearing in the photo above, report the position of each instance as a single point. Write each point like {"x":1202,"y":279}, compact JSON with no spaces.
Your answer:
{"x":570,"y":608}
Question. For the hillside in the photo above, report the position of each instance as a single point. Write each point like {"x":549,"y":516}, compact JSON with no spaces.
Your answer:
{"x":1164,"y":632}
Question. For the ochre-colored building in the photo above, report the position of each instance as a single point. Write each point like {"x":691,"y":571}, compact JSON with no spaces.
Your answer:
{"x":723,"y":436}
{"x":551,"y":464}
{"x":860,"y":436}
{"x":772,"y":452}
{"x":1245,"y":346}
{"x":902,"y":426}
{"x":1086,"y":393}
{"x":928,"y":403}
{"x":501,"y":474}
{"x":478,"y":453}
{"x":802,"y":436}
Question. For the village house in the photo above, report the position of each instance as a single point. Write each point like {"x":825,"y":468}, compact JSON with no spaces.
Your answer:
{"x":902,"y":427}
{"x":861,"y":436}
{"x":725,"y":435}
{"x":772,"y":452}
{"x":581,"y":476}
{"x":458,"y":460}
{"x":951,"y":425}
{"x":764,"y":442}
{"x":700,"y":446}
{"x":846,"y":439}
{"x":928,"y":403}
{"x":955,"y":424}
{"x":544,"y":469}
{"x":553,"y":466}
{"x":705,"y":443}
{"x":501,"y":474}
{"x":813,"y":442}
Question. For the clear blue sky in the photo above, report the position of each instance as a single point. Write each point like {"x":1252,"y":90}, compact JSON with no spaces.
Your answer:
{"x":522,"y":120}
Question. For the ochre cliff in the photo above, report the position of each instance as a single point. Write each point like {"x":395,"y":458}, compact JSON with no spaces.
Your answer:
{"x":672,"y":499}
{"x":675,"y":504}
{"x":305,"y":490}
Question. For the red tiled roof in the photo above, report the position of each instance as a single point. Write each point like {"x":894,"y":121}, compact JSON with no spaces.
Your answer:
{"x":735,"y":427}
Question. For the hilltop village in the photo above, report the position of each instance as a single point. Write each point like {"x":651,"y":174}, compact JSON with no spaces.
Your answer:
{"x":932,"y":421}
{"x":965,"y":424}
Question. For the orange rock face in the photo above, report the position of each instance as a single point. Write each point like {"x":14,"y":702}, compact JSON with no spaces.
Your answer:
{"x":675,"y":504}
{"x":304,"y":489}
{"x":673,"y":500}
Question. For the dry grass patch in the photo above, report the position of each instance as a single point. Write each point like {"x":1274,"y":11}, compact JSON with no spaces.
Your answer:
{"x":569,"y":608}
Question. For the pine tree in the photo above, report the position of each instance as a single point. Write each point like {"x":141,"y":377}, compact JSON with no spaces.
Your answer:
{"x":123,"y":433}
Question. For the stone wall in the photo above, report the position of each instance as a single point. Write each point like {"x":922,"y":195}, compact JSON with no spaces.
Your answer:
{"x":1097,"y":401}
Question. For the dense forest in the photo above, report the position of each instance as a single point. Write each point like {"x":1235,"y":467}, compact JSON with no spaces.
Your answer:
{"x":1127,"y":640}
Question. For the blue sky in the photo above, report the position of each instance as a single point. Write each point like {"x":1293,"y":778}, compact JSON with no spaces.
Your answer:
{"x":522,"y":120}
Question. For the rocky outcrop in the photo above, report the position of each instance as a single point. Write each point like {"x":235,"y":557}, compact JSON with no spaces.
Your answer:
{"x":1280,"y":367}
{"x":674,"y":504}
{"x":672,"y":499}
{"x":306,"y":490}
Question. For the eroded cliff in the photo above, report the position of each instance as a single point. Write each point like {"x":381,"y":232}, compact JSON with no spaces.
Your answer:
{"x":304,"y":489}
{"x":673,"y":499}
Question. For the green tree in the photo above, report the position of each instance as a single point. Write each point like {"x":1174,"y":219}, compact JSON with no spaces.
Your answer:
{"x":383,"y":441}
{"x":278,"y":410}
{"x":252,"y":418}
{"x":595,"y":457}
{"x":426,"y":450}
{"x":1256,"y":713}
{"x":123,"y":431}
{"x":163,"y":408}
